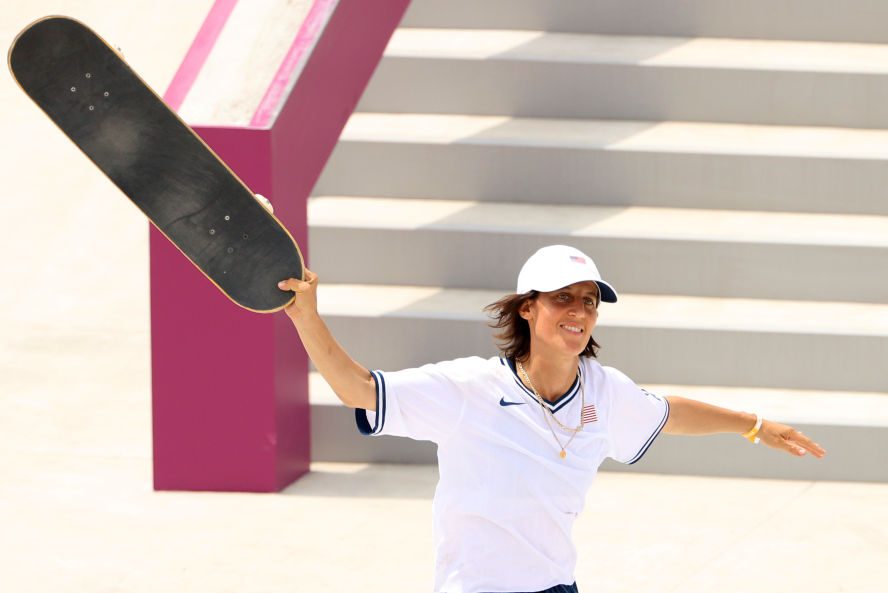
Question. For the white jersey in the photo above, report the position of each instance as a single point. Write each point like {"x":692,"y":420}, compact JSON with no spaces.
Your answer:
{"x":506,"y":502}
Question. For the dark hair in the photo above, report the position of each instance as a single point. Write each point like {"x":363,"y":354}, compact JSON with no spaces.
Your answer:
{"x":514,"y":339}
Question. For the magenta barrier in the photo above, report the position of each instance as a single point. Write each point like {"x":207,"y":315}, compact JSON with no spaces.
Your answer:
{"x":230,"y":387}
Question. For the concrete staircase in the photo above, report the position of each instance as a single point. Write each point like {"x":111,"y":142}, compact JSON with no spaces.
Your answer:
{"x":725,"y":164}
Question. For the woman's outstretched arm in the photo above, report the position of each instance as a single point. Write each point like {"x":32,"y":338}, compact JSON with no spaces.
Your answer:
{"x":692,"y":417}
{"x":351,"y":382}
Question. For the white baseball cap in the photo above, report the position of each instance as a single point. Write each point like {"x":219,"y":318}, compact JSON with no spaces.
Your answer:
{"x":557,"y":266}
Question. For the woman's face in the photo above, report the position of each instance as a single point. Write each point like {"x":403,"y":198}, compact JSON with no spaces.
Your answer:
{"x":561,"y":321}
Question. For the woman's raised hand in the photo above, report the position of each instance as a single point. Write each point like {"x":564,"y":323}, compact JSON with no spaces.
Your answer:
{"x":306,"y":302}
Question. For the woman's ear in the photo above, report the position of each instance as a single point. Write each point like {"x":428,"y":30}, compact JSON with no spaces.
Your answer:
{"x":524,"y":309}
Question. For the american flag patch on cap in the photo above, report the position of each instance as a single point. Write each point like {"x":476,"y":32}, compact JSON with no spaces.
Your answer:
{"x":577,"y":259}
{"x":589,"y":414}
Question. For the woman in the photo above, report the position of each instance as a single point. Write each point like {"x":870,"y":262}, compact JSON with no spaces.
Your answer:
{"x":520,"y":437}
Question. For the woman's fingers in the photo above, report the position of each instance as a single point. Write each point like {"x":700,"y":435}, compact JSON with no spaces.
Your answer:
{"x":298,"y":286}
{"x":793,"y":441}
{"x":294,"y":285}
{"x":794,"y":448}
{"x":802,"y":443}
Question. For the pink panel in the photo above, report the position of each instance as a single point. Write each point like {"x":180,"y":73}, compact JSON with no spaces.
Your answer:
{"x":230,"y":387}
{"x":224,"y":379}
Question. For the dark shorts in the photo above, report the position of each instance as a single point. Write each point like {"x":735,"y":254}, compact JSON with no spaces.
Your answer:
{"x":560,"y":589}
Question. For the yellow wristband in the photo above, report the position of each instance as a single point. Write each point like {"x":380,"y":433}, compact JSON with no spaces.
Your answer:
{"x":750,"y":436}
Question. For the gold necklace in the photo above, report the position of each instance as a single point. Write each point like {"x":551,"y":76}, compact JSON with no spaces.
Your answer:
{"x":547,"y":412}
{"x":539,"y":398}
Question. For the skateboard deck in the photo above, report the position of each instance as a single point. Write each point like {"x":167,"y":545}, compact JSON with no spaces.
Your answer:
{"x":161,"y":164}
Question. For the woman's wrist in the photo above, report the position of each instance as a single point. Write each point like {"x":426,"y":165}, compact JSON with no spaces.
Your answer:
{"x":751,"y":435}
{"x":306,"y":319}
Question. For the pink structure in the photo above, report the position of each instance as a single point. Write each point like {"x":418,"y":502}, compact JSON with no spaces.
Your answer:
{"x":230,"y":387}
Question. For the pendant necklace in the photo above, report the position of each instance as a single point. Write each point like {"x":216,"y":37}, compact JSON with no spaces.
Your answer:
{"x":547,"y":412}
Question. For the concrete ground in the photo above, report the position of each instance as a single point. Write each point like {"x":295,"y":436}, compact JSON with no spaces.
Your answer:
{"x":77,"y":509}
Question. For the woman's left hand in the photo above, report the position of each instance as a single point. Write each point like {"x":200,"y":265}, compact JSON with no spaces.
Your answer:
{"x":781,"y":436}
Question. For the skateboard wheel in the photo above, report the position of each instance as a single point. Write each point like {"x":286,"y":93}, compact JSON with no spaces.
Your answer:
{"x":264,"y":201}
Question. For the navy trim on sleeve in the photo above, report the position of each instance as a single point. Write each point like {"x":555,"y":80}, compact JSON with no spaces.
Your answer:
{"x":650,"y":440}
{"x":361,"y":414}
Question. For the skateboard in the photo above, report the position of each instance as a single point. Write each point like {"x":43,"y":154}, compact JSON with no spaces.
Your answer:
{"x":153,"y":157}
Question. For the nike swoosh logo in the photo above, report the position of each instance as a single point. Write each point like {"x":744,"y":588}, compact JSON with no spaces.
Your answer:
{"x":504,"y":403}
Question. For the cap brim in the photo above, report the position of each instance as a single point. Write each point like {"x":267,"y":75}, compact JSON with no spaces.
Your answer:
{"x":608,"y":294}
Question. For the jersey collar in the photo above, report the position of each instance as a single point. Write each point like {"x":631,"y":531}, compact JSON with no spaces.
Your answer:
{"x":556,"y":405}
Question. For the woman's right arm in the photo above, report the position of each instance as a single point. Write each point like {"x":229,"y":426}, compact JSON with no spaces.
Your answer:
{"x":351,"y":382}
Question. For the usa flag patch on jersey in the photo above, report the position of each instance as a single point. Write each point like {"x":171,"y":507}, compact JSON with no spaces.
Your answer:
{"x":589,"y":414}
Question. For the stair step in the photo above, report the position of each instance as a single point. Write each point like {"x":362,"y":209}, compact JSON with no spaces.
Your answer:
{"x":541,"y":74}
{"x":675,"y":52}
{"x":673,"y":164}
{"x":620,"y":136}
{"x":850,"y":426}
{"x":655,"y":224}
{"x":653,"y":338}
{"x":633,"y":310}
{"x":823,"y":20}
{"x":640,"y":250}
